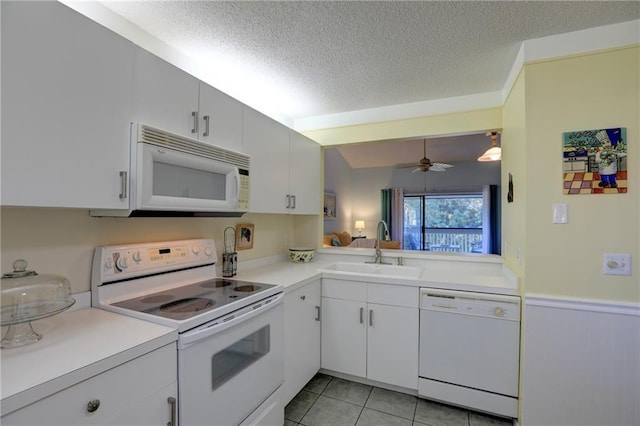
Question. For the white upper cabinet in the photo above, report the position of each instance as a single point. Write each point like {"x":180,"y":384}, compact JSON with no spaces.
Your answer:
{"x":66,"y":106}
{"x":285,"y":167}
{"x":267,"y":143}
{"x":220,"y":118}
{"x":165,"y":96}
{"x":171,"y":99}
{"x":304,"y":174}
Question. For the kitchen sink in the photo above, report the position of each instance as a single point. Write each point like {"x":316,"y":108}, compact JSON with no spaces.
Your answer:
{"x":376,"y":269}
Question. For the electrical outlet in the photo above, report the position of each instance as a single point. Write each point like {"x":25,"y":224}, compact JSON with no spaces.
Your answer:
{"x":616,"y":264}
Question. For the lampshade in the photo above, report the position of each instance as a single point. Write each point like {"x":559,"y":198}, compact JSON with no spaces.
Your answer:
{"x":359,"y":224}
{"x":495,"y":152}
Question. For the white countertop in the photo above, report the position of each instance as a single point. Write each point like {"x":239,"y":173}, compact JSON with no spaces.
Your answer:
{"x":443,"y":273}
{"x":75,"y":346}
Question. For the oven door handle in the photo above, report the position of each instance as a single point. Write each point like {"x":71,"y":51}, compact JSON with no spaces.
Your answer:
{"x":192,"y":337}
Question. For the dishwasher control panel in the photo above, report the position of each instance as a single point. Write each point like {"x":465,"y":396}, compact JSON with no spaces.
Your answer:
{"x":468,"y":303}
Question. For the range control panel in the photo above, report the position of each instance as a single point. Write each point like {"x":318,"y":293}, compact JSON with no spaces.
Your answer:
{"x":128,"y":261}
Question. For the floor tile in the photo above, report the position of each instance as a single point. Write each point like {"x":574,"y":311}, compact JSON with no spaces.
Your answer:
{"x":396,"y":403}
{"x":351,"y":392}
{"x":436,"y":414}
{"x":299,"y":405}
{"x":288,"y":422}
{"x":479,"y":419}
{"x":331,"y":412}
{"x":318,"y":383}
{"x":376,"y":418}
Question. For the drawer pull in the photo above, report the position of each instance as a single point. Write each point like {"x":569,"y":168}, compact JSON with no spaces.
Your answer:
{"x":93,"y":405}
{"x":317,"y":313}
{"x":303,"y":297}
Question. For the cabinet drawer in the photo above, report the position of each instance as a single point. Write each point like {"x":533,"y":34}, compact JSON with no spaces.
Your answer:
{"x":342,"y":289}
{"x":118,"y":389}
{"x":394,"y":295}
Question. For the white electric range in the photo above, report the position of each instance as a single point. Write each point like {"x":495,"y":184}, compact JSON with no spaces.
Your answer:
{"x":230,"y":344}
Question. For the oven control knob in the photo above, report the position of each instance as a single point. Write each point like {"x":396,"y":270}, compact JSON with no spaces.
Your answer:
{"x":137,"y":257}
{"x":208,"y":251}
{"x":498,"y":312}
{"x":108,"y":264}
{"x":122,"y":263}
{"x":195,"y":250}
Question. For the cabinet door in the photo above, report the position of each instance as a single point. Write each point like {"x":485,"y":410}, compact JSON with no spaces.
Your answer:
{"x":344,"y":336}
{"x":66,"y":108}
{"x":301,"y":338}
{"x":392,"y":353}
{"x":164,"y":95}
{"x":267,"y":142}
{"x":220,"y":118}
{"x":305,"y":174}
{"x":133,"y":393}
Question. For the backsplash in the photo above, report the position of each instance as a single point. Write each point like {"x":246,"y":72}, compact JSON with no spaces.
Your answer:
{"x":62,"y":241}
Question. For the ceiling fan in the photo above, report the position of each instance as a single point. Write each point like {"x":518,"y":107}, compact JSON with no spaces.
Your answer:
{"x":426,"y":165}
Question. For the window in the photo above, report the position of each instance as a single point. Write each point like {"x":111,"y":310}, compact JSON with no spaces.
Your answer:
{"x":451,"y":223}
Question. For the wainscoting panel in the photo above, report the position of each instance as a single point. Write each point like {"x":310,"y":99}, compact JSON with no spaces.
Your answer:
{"x":581,"y":362}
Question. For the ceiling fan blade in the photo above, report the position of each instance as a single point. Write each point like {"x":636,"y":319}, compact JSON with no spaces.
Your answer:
{"x":442,"y":165}
{"x":409,"y":166}
{"x":417,"y":169}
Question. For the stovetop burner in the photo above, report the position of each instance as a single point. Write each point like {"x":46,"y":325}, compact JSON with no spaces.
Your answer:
{"x":187,"y":301}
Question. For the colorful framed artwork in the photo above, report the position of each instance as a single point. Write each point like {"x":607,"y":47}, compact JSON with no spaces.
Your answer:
{"x":595,"y":161}
{"x":329,"y":205}
{"x":245,"y":234}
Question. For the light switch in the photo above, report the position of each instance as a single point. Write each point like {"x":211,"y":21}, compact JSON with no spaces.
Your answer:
{"x":560,"y":214}
{"x":617,"y":264}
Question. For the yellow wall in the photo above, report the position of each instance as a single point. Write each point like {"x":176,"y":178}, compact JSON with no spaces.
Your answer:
{"x":514,"y":162}
{"x":436,"y":125}
{"x":584,"y":92}
{"x":61,"y":241}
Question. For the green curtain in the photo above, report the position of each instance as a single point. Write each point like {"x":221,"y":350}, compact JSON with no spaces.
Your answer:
{"x":386,"y":204}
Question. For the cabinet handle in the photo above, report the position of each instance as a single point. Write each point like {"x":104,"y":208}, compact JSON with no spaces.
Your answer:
{"x":361,"y":315}
{"x":303,"y":297}
{"x":123,"y":184}
{"x":194,"y":114}
{"x":172,"y":402}
{"x":317,"y":313}
{"x":370,"y":317}
{"x":294,"y":201}
{"x":93,"y":405}
{"x":206,"y":125}
{"x":288,"y":201}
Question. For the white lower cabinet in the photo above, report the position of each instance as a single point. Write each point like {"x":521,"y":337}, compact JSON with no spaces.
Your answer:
{"x":302,"y":338}
{"x":139,"y":392}
{"x":371,"y":330}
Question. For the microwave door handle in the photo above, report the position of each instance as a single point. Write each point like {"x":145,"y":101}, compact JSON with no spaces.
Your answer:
{"x":236,"y":177}
{"x":191,"y":337}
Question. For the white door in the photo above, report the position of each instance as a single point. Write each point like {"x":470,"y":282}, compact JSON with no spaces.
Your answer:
{"x":305,"y":174}
{"x":392,"y":354}
{"x":164,"y":95}
{"x":66,"y":108}
{"x":224,"y":377}
{"x":267,"y":143}
{"x":220,"y":118}
{"x":344,"y":336}
{"x":302,"y":338}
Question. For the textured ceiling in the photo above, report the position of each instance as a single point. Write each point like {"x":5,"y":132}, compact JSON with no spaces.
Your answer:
{"x":321,"y":57}
{"x":311,"y":58}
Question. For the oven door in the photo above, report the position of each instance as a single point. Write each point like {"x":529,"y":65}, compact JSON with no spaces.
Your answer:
{"x":229,"y":367}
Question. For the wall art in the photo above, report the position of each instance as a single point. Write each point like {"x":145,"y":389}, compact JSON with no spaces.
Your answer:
{"x":595,"y":161}
{"x":244,"y":236}
{"x":329,"y":205}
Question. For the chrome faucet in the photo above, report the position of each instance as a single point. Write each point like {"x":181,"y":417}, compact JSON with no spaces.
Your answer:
{"x":378,"y":258}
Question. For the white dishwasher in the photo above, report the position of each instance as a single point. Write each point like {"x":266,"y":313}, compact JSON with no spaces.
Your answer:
{"x":470,"y":350}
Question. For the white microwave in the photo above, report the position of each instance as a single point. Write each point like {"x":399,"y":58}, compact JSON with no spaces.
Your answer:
{"x":172,"y":175}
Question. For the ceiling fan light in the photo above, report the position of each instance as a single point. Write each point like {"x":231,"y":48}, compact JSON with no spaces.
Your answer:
{"x":492,"y":154}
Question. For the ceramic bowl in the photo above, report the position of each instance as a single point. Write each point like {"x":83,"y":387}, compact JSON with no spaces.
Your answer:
{"x":301,"y":254}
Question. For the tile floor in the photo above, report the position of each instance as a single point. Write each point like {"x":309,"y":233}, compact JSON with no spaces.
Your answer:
{"x":328,"y":400}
